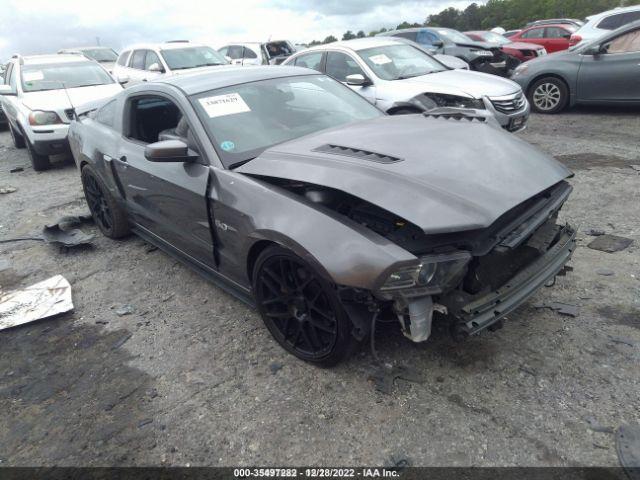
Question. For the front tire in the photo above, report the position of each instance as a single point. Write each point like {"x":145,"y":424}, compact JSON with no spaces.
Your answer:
{"x":548,"y":95}
{"x":38,"y":162}
{"x":301,"y":309}
{"x":108,"y":215}
{"x":18,"y":139}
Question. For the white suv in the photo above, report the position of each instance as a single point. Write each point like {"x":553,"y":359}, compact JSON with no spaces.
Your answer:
{"x":141,"y":63}
{"x":598,"y":25}
{"x":39,"y":95}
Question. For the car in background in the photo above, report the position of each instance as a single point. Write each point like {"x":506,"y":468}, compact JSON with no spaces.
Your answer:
{"x":300,"y":198}
{"x":144,"y":62}
{"x":400,"y":78}
{"x":104,"y":55}
{"x":602,"y":23}
{"x":604,"y":71}
{"x":258,"y":53}
{"x":39,"y":97}
{"x":511,"y":33}
{"x":556,"y":21}
{"x":554,"y":38}
{"x":449,"y":61}
{"x":480,"y":56}
{"x":520,"y":50}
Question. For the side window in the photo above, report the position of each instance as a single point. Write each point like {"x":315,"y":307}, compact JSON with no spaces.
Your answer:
{"x":425,"y":37}
{"x":124,"y":56}
{"x":630,"y":17}
{"x":340,"y":65}
{"x":248,"y":53}
{"x":309,"y":60}
{"x":534,"y":33}
{"x":612,"y":22}
{"x":555,"y":32}
{"x":223,"y":51}
{"x":106,"y":114}
{"x":150,"y":117}
{"x":408,"y":35}
{"x":7,"y":73}
{"x":150,"y":59}
{"x":234,"y":52}
{"x":627,"y":43}
{"x":137,"y":61}
{"x":13,"y":77}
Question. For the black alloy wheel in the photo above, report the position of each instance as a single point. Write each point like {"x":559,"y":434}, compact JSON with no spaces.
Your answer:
{"x":301,"y":309}
{"x":108,"y":215}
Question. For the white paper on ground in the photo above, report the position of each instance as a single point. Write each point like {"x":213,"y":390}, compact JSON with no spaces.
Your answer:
{"x":42,"y":300}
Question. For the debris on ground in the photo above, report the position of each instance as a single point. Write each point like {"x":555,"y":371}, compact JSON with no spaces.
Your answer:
{"x":622,"y":340}
{"x":594,"y":232}
{"x":595,"y":426}
{"x":605,"y":272}
{"x":39,"y":301}
{"x":628,"y":448}
{"x":121,"y":341}
{"x":275,"y":367}
{"x":635,"y":167}
{"x":559,"y":307}
{"x":610,"y":243}
{"x":124,"y":310}
{"x":384,"y":376}
{"x":66,"y":231}
{"x":8,"y":190}
{"x":16,"y":170}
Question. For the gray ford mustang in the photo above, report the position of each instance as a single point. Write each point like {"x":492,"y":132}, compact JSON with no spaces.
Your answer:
{"x":298,"y":196}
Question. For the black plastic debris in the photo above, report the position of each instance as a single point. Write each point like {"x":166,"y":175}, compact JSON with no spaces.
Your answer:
{"x":16,"y":170}
{"x":628,"y":448}
{"x":610,"y":243}
{"x":559,"y":307}
{"x":66,"y":231}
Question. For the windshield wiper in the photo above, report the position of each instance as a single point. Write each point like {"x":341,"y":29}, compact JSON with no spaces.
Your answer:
{"x":240,"y":163}
{"x":208,"y":65}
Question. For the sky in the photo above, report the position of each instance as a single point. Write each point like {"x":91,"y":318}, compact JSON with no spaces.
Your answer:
{"x":44,"y":26}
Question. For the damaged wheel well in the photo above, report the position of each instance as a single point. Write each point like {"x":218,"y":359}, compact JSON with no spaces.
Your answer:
{"x":254,"y":252}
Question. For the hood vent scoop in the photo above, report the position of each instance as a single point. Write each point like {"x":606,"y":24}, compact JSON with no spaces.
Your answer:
{"x":357,"y":153}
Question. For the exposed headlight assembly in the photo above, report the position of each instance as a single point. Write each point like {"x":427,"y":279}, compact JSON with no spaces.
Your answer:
{"x":432,"y":275}
{"x":436,"y":100}
{"x":482,"y":53}
{"x":39,"y":117}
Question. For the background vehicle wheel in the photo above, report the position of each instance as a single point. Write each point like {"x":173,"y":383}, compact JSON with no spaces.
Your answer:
{"x":548,"y":95}
{"x":301,"y":309}
{"x":18,"y":139}
{"x":108,"y":215}
{"x":39,"y":162}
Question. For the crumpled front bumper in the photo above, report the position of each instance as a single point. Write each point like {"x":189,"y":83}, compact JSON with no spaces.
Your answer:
{"x":483,"y":312}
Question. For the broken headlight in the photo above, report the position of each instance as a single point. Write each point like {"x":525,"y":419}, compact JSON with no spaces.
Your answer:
{"x":436,"y":100}
{"x":433,"y":274}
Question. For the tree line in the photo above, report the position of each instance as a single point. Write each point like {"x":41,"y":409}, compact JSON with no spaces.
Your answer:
{"x":508,"y":14}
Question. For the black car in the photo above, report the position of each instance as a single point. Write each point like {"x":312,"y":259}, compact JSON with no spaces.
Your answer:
{"x":480,"y":56}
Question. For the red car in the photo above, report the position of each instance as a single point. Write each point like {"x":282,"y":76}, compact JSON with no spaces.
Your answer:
{"x":553,"y":38}
{"x":521,"y":50}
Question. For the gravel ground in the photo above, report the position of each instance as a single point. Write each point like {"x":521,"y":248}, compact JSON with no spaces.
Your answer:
{"x":193,"y":377}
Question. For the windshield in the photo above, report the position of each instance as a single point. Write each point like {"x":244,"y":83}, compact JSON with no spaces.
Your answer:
{"x":453,"y":35}
{"x":55,"y":76}
{"x":192,"y":57}
{"x":244,"y":120}
{"x":494,"y":38}
{"x":101,"y":54}
{"x":395,"y":62}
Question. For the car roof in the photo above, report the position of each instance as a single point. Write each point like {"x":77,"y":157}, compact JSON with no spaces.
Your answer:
{"x":357,"y":44}
{"x":547,"y":25}
{"x":613,"y":11}
{"x":223,"y":76}
{"x":162,"y":46}
{"x":94,"y":47}
{"x":54,"y":58}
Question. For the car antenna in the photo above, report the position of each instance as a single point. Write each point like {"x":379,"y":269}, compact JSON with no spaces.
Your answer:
{"x":73,"y":109}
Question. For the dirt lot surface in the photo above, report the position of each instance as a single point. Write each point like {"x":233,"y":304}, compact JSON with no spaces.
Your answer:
{"x":193,"y":377}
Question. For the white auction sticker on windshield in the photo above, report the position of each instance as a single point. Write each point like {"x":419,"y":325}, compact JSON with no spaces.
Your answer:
{"x":221,"y":105}
{"x":32,"y":76}
{"x":380,"y":59}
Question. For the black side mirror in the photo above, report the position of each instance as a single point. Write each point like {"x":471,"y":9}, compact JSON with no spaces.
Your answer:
{"x":169,"y":151}
{"x":438,"y":43}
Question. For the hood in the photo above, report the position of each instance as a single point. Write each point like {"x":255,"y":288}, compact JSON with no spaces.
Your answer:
{"x":192,"y":70}
{"x":478,"y":45}
{"x":57,"y":100}
{"x":108,"y":66}
{"x":448,"y":175}
{"x":475,"y":84}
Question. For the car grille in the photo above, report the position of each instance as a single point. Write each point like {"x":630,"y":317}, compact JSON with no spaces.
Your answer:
{"x":509,"y":103}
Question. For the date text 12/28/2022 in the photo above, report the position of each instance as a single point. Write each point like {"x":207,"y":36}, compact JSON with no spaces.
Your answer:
{"x":315,"y":472}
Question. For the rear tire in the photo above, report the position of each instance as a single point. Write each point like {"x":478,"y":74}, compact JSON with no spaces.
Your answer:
{"x":39,"y":162}
{"x":301,"y":308}
{"x":18,"y":139}
{"x":548,"y":95}
{"x":110,"y":218}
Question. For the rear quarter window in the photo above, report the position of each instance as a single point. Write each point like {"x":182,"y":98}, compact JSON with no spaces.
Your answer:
{"x":122,"y":59}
